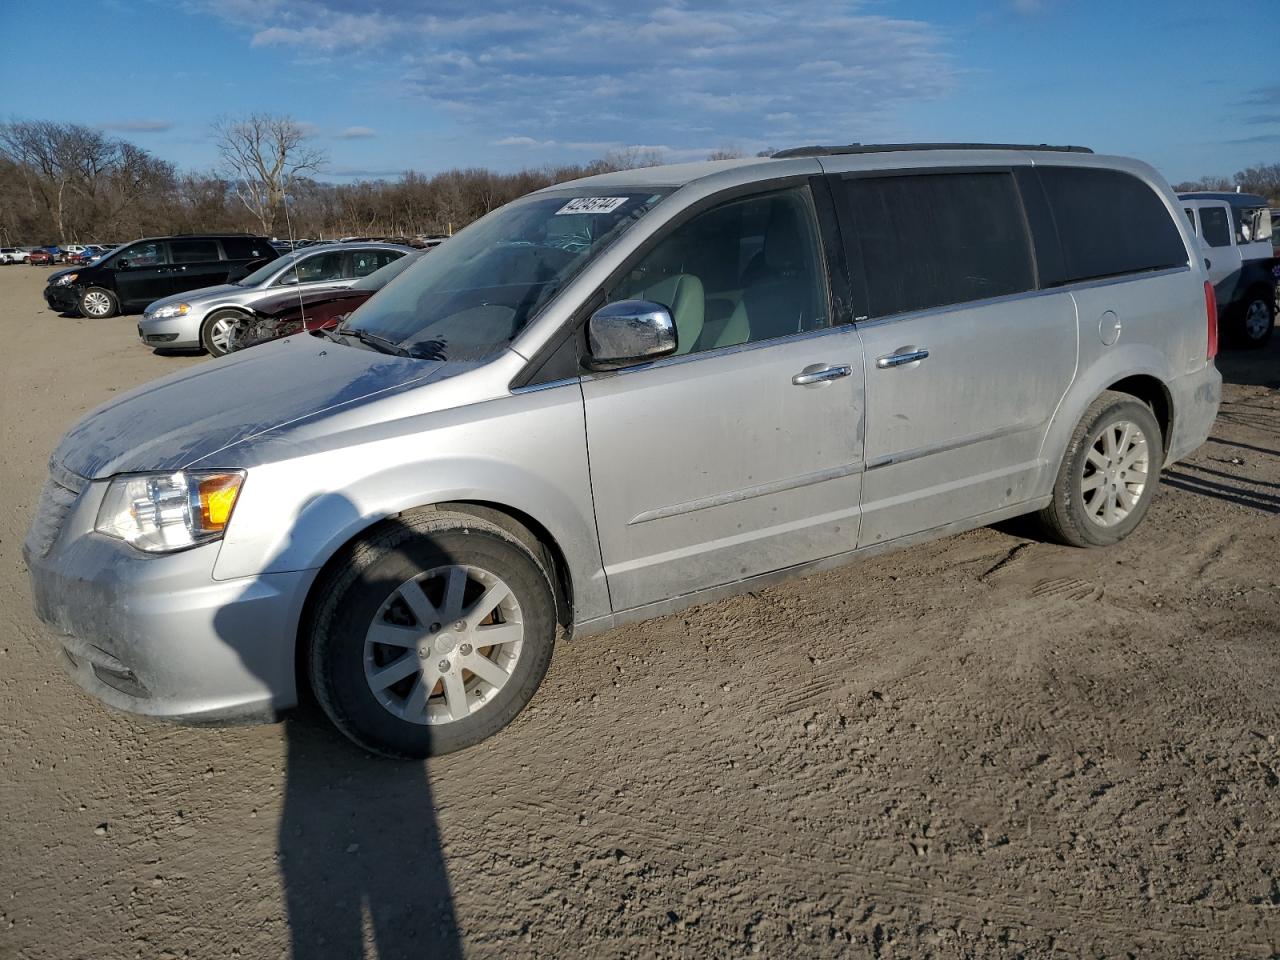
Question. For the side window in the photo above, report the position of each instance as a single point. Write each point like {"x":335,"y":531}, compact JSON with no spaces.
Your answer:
{"x":365,"y":262}
{"x":245,"y":248}
{"x":1215,"y":225}
{"x":322,"y":266}
{"x":147,"y":253}
{"x":931,"y":240}
{"x":745,"y":271}
{"x":193,"y":251}
{"x":1111,"y":223}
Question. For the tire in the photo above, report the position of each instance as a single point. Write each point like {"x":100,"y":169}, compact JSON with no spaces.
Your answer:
{"x":1071,"y":517}
{"x":370,"y":594}
{"x":98,"y":304}
{"x":217,"y":333}
{"x":1256,"y":319}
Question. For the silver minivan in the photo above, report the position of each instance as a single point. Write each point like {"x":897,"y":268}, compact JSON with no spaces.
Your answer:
{"x":617,"y":397}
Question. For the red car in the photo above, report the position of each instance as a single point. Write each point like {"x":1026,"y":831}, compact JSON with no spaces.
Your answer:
{"x":42,"y":258}
{"x":291,"y":313}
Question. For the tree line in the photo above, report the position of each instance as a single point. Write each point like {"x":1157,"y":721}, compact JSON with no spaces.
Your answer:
{"x":69,"y":183}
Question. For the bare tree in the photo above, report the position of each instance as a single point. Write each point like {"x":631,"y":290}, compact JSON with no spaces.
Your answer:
{"x":263,"y":155}
{"x":1263,"y":179}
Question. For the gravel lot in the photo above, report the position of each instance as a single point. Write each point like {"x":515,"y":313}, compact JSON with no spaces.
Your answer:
{"x":984,"y":746}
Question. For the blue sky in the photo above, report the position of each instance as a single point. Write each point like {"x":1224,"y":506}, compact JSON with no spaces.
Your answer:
{"x":390,"y":85}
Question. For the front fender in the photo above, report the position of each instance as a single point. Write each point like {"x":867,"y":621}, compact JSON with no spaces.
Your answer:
{"x":524,"y":453}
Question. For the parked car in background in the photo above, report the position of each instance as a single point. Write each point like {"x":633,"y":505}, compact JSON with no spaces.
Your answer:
{"x":86,"y":254}
{"x":14,"y":255}
{"x":43,"y":257}
{"x":132,"y":276}
{"x":207,"y":319}
{"x":71,"y":251}
{"x":288,"y":313}
{"x":1235,"y":231}
{"x":615,"y":398}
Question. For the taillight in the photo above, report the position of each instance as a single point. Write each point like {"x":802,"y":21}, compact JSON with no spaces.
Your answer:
{"x":1211,"y":318}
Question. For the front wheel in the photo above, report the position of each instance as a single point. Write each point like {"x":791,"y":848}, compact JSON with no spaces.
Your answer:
{"x":1108,"y":475}
{"x":218,"y":332}
{"x":97,"y":304}
{"x":432,"y":636}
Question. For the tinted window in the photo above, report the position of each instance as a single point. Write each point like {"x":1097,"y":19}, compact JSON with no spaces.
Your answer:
{"x":145,"y":253}
{"x":1110,"y":223}
{"x":1215,"y":226}
{"x":313,"y":269}
{"x":745,"y":271}
{"x":246,"y":248}
{"x":193,"y":251}
{"x":936,"y":239}
{"x":365,"y":262}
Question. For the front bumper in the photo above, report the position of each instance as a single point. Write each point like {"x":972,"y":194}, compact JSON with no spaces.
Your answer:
{"x":175,"y":332}
{"x":64,"y":298}
{"x":158,"y":635}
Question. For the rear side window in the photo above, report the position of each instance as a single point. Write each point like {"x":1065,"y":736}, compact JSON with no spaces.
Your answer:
{"x":247,"y":248}
{"x":365,"y":262}
{"x":1215,"y":226}
{"x":930,"y":240}
{"x":1110,"y":223}
{"x":193,"y":251}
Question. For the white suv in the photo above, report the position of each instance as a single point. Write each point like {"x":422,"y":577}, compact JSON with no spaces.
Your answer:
{"x":1235,"y":237}
{"x":14,"y":255}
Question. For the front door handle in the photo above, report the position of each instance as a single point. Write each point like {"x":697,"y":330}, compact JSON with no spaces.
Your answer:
{"x":820,"y":374}
{"x":900,"y":359}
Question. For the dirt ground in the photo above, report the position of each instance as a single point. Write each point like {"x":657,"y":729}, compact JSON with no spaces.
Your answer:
{"x":986,"y":746}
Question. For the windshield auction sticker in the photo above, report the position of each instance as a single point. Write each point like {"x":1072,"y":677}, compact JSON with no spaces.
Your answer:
{"x":592,"y":205}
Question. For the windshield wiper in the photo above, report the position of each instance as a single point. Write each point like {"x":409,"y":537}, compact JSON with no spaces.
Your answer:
{"x":329,"y":334}
{"x":381,"y":344}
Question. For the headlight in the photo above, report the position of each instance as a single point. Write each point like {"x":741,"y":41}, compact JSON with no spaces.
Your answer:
{"x":66,"y":278}
{"x":171,"y":310}
{"x":160,"y":512}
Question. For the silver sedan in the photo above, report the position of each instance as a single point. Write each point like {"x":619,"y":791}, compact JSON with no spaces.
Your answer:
{"x":207,"y":318}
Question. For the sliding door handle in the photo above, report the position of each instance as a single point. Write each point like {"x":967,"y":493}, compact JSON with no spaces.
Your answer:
{"x":820,"y":374}
{"x":902,"y":358}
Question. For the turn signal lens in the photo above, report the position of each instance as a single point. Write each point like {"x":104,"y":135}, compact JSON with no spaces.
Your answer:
{"x":217,"y":497}
{"x":1211,"y":317}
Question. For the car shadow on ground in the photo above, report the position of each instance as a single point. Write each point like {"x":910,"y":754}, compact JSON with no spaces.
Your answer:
{"x":361,"y":862}
{"x":1252,"y":368}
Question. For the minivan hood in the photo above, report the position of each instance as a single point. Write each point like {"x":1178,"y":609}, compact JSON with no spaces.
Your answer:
{"x":172,"y":422}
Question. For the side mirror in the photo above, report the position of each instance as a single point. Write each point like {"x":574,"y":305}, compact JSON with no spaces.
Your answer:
{"x":122,"y":264}
{"x":629,"y":331}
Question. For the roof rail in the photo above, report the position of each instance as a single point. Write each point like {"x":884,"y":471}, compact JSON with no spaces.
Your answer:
{"x":818,"y":151}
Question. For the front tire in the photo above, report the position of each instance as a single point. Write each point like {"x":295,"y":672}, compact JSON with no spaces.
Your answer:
{"x":432,"y":635}
{"x":98,"y":304}
{"x":217,"y":333}
{"x":1108,"y":475}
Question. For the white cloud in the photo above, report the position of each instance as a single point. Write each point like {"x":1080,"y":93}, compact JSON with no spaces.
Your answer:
{"x":138,"y":126}
{"x":664,"y":71}
{"x":357,"y":133}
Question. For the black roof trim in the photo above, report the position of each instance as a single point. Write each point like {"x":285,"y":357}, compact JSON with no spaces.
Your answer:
{"x":1244,"y":200}
{"x":817,"y":151}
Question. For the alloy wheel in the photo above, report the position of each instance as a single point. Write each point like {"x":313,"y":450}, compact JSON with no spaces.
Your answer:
{"x":97,"y":303}
{"x":1257,"y":320}
{"x":443,"y":644}
{"x":1115,"y":473}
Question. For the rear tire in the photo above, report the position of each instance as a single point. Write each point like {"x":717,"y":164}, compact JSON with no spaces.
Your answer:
{"x":442,"y":682}
{"x":1256,"y":319}
{"x":1108,"y":475}
{"x":98,"y":304}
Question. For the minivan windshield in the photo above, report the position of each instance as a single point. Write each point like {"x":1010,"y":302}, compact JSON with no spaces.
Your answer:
{"x":470,"y":296}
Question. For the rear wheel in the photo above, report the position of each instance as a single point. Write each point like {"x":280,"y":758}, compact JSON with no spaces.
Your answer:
{"x":432,"y":636}
{"x":1257,"y":320}
{"x":217,"y":333}
{"x":97,"y":304}
{"x":1108,"y":476}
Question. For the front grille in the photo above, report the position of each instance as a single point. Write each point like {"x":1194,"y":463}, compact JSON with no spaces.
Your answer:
{"x":56,"y":500}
